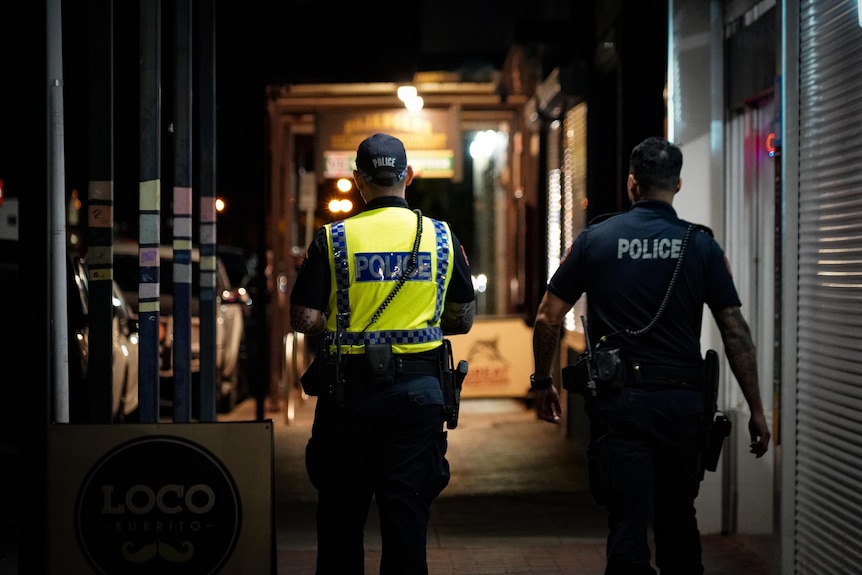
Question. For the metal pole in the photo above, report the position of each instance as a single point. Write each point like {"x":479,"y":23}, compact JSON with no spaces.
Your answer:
{"x":182,"y":220}
{"x":207,"y":126}
{"x":100,"y":220}
{"x":57,"y":212}
{"x":149,"y":210}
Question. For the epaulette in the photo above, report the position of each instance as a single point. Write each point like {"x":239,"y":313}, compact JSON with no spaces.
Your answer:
{"x":704,"y":228}
{"x":602,"y":217}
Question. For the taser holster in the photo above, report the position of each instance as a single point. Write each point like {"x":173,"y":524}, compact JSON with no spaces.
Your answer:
{"x":716,"y":424}
{"x":451,"y":380}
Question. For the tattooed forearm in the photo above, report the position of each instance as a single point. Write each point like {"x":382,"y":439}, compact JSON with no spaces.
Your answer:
{"x":307,"y":320}
{"x":546,"y":342}
{"x":546,"y":333}
{"x":740,"y":351}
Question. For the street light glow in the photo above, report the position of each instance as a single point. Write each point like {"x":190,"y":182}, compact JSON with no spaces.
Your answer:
{"x":340,"y":206}
{"x":406,"y":93}
{"x":344,"y":185}
{"x":414,"y":104}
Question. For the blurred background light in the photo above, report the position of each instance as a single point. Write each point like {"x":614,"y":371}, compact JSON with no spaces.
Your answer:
{"x":340,"y":206}
{"x":344,"y":185}
{"x":406,"y":93}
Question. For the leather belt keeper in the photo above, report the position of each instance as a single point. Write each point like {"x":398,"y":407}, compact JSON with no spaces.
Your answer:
{"x":415,"y":366}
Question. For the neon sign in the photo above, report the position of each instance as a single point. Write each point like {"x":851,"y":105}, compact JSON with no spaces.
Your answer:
{"x":771,"y":144}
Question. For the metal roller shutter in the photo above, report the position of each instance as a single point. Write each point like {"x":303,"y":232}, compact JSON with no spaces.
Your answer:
{"x":828,"y":497}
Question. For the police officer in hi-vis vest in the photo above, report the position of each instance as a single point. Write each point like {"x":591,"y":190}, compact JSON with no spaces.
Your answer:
{"x":381,"y":288}
{"x":647,"y":275}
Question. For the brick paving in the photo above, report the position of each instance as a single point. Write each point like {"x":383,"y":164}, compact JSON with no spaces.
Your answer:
{"x":517,"y":503}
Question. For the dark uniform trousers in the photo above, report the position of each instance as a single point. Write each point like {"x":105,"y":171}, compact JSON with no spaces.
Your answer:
{"x":386,"y":442}
{"x":643,"y":459}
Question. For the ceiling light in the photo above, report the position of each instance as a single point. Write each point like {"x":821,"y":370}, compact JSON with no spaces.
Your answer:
{"x":414,"y":104}
{"x":406,"y":93}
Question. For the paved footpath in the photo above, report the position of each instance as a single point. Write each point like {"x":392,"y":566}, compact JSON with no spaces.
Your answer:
{"x":517,"y":503}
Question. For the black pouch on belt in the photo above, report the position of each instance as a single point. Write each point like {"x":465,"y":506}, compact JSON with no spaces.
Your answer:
{"x":381,"y":366}
{"x":314,"y":380}
{"x":576,"y":376}
{"x":610,"y":370}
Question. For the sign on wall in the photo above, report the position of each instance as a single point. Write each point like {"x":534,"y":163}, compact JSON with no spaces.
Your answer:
{"x":430,"y":138}
{"x":499,"y":352}
{"x":161,"y":498}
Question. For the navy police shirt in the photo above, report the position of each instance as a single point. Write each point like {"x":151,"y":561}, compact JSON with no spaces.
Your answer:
{"x":625,"y":263}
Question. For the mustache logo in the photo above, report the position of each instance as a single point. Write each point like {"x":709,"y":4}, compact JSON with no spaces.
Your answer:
{"x":157,"y":548}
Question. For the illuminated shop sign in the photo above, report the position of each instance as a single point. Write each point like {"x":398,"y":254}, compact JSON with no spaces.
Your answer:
{"x":429,"y":136}
{"x":426,"y":163}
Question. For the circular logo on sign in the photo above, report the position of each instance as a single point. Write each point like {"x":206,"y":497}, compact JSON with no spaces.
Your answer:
{"x":158,"y":504}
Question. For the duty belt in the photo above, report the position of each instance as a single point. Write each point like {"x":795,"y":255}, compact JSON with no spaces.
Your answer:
{"x":663,"y":377}
{"x":402,"y":364}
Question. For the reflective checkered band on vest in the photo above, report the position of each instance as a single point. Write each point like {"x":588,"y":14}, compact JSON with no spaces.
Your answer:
{"x":442,"y":265}
{"x":395,"y":336}
{"x":342,"y":267}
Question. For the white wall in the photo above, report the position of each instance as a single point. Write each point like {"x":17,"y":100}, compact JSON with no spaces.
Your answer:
{"x":738,"y":497}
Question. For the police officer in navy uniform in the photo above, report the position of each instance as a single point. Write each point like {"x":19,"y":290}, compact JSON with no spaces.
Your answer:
{"x":383,"y":435}
{"x":645,"y":428}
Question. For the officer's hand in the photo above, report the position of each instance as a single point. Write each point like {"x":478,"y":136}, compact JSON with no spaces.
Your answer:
{"x":548,"y":404}
{"x":760,"y":435}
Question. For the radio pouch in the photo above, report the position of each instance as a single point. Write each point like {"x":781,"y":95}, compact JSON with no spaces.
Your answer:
{"x":609,"y":369}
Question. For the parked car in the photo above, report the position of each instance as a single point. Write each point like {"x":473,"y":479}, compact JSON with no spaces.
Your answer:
{"x":241,"y":270}
{"x":230,"y":374}
{"x":240,"y":267}
{"x":124,"y":329}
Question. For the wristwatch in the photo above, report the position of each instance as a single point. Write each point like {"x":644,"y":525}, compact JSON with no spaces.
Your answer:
{"x":541,"y":383}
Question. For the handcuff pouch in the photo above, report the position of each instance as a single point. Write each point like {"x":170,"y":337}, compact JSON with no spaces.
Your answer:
{"x":381,"y":366}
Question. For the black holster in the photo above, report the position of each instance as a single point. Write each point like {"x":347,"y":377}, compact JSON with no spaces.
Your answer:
{"x":313,"y":378}
{"x":451,"y":380}
{"x":716,"y":424}
{"x":325,"y":374}
{"x":717,"y":430}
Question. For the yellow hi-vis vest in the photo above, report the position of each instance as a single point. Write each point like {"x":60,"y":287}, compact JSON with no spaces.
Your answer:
{"x":368,"y":253}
